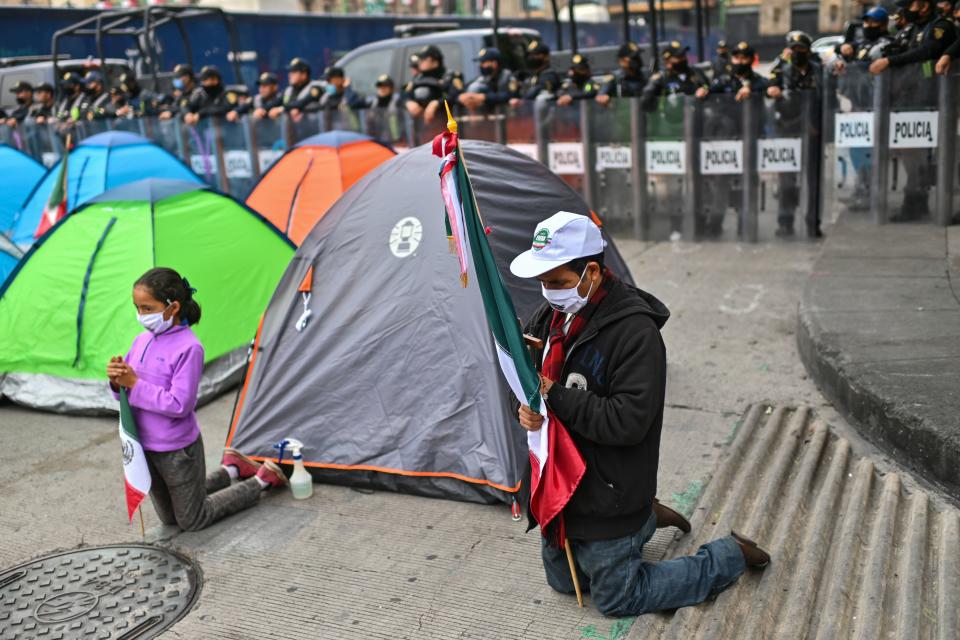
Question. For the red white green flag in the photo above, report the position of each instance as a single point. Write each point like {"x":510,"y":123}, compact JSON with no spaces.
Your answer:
{"x":136,"y":474}
{"x":56,"y":206}
{"x":557,"y":466}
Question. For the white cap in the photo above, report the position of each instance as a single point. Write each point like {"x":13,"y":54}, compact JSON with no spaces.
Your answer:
{"x":559,"y":239}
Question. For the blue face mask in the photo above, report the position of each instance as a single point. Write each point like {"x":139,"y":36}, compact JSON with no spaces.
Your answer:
{"x":178,"y":83}
{"x":331,"y":90}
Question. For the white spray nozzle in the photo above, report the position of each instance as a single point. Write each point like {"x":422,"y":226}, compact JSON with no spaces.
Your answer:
{"x":295,"y":446}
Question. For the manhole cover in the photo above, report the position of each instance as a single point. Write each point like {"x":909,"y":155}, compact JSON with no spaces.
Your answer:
{"x":119,"y":592}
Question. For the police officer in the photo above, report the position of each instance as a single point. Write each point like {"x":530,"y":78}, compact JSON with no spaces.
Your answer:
{"x":210,"y":98}
{"x":627,"y":81}
{"x":383,"y":110}
{"x":44,"y":106}
{"x":267,"y":98}
{"x":184,"y":84}
{"x":338,"y":92}
{"x":424,"y":94}
{"x":932,"y":34}
{"x":541,"y":79}
{"x":721,"y":65}
{"x":953,"y":51}
{"x":678,"y":77}
{"x":24,"y":94}
{"x":301,"y":94}
{"x":493,"y":87}
{"x":96,"y":100}
{"x":741,"y":80}
{"x":137,"y":101}
{"x":904,"y":35}
{"x":71,"y":95}
{"x":579,"y":84}
{"x":945,"y":9}
{"x":795,"y":73}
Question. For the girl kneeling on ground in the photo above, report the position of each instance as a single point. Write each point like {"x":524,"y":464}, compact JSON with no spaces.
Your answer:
{"x":161,"y":374}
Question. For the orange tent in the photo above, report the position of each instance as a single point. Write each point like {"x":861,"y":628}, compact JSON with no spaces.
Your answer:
{"x":297,"y":191}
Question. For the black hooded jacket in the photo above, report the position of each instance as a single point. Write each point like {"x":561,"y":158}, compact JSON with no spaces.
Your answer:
{"x":610,"y":398}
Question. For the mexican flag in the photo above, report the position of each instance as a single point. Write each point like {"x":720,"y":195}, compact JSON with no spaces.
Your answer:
{"x":136,"y":475}
{"x":56,"y":206}
{"x":556,"y":464}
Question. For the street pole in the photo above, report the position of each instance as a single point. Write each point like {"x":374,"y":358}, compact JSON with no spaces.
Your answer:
{"x":496,"y":23}
{"x":654,"y":40}
{"x":698,"y":8}
{"x":573,"y":26}
{"x":626,"y":21}
{"x":556,"y":24}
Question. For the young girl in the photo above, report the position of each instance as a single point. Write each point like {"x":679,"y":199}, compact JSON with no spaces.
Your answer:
{"x":161,"y":374}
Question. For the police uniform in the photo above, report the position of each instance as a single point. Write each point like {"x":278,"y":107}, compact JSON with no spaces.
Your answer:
{"x":178,"y":103}
{"x":674,"y":81}
{"x":142,"y":103}
{"x":794,"y":74}
{"x":436,"y":84}
{"x":499,"y":87}
{"x":39,"y":109}
{"x":217,"y":102}
{"x":625,"y":83}
{"x":382,"y":114}
{"x":258,"y":102}
{"x":347,"y":97}
{"x":721,"y":65}
{"x":543,"y":81}
{"x":93,"y":106}
{"x":929,"y":40}
{"x":22,"y":110}
{"x":579,"y":86}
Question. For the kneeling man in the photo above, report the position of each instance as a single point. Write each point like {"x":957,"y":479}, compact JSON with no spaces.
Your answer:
{"x":603,"y":373}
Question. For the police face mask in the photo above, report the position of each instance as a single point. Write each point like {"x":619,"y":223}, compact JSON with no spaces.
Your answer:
{"x":800,"y":57}
{"x":872,"y":33}
{"x":536,"y":62}
{"x":741,"y":69}
{"x":567,"y":300}
{"x":178,"y":84}
{"x":154,"y":322}
{"x":213,"y":90}
{"x":488,"y":70}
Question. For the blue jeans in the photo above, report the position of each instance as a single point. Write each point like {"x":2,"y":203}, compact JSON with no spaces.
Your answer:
{"x":621,"y":584}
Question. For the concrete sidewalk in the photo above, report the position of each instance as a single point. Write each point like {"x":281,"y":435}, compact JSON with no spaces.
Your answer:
{"x":879,"y":330}
{"x":346,"y":564}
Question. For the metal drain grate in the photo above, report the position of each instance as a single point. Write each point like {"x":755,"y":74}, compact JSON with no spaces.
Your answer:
{"x":118,"y":592}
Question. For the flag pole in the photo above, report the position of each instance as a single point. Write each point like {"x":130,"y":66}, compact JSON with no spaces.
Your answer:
{"x":143,"y":535}
{"x":573,"y":571}
{"x":452,"y":128}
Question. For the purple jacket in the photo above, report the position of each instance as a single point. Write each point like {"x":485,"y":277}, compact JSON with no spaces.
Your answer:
{"x":168,"y":369}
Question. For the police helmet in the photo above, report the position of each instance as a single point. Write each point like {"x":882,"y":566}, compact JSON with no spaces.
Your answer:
{"x":628,"y":50}
{"x":44,"y":86}
{"x":299,"y":64}
{"x":91,"y":77}
{"x":579,"y":61}
{"x":537,"y":47}
{"x":431,"y":51}
{"x":799,"y":39}
{"x":182,"y":70}
{"x":267,"y":78}
{"x":675,"y":50}
{"x":744,"y":49}
{"x":333,"y":72}
{"x":384,"y":80}
{"x":22,"y":85}
{"x":209,"y":71}
{"x":489,"y":54}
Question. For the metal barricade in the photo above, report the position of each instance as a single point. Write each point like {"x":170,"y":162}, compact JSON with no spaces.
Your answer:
{"x":905,"y":146}
{"x":560,"y":141}
{"x":609,"y":163}
{"x":849,"y":128}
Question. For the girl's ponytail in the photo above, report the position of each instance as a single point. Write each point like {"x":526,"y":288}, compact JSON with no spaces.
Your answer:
{"x":167,"y":285}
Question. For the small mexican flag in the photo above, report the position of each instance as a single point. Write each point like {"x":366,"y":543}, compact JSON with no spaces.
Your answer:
{"x":56,"y":206}
{"x":135,"y":471}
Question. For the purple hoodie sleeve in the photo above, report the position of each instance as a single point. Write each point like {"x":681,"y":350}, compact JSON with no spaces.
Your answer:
{"x":181,"y":397}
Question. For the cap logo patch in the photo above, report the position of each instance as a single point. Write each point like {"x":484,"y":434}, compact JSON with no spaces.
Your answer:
{"x":541,"y":240}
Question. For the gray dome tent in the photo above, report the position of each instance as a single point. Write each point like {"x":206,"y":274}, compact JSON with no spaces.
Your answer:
{"x":392,"y":381}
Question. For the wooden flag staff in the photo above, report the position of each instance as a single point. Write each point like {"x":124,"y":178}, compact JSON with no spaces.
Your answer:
{"x":573,"y":571}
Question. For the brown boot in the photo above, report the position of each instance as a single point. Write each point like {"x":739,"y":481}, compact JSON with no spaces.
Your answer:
{"x":667,"y":517}
{"x":753,"y":555}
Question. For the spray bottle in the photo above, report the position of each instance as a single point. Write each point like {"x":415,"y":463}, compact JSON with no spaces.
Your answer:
{"x":301,"y":483}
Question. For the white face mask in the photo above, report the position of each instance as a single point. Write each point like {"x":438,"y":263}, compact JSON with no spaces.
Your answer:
{"x":154,"y":322}
{"x":567,"y":300}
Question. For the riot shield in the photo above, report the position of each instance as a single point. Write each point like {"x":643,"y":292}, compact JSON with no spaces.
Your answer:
{"x":521,"y":129}
{"x":204,"y":151}
{"x":386,"y":125}
{"x":238,"y":162}
{"x":483,"y":124}
{"x":267,"y":140}
{"x":719,"y":165}
{"x":560,"y":141}
{"x":609,"y":163}
{"x":848,"y":139}
{"x":667,"y":169}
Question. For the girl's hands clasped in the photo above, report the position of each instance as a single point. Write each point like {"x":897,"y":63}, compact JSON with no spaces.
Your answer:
{"x":120,"y":373}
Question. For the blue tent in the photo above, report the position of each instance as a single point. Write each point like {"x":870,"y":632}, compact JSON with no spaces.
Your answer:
{"x":19,"y":174}
{"x":99,"y":163}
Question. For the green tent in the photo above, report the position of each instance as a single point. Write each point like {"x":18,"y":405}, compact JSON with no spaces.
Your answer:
{"x":67,"y":308}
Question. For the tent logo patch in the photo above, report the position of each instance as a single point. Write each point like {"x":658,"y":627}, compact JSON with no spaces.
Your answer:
{"x":541,"y":240}
{"x":405,"y":237}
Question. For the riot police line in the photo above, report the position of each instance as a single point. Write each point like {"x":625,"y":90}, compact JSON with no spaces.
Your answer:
{"x":713,"y":166}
